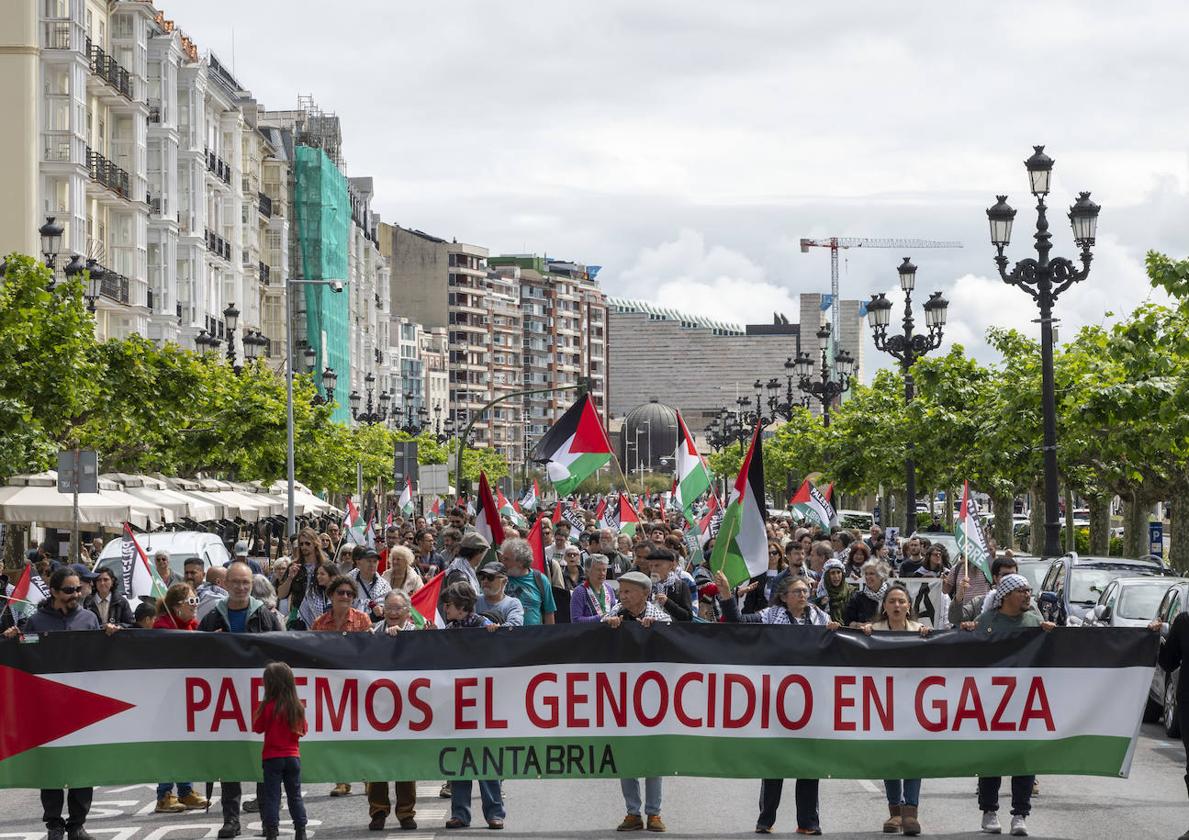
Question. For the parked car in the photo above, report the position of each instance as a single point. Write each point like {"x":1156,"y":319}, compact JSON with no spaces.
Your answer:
{"x":860,"y":519}
{"x":1033,"y":568}
{"x":1129,"y":602}
{"x":181,"y":545}
{"x":1073,"y":584}
{"x":1162,"y":696}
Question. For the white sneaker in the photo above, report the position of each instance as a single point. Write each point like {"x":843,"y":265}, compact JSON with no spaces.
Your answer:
{"x":1018,"y":827}
{"x":991,"y":823}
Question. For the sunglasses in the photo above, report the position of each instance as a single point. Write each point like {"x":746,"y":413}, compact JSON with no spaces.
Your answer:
{"x":350,"y":593}
{"x":70,"y":590}
{"x":191,"y":602}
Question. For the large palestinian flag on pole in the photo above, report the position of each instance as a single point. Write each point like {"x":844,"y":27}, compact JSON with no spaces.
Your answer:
{"x":741,"y":549}
{"x":487,"y":516}
{"x":691,"y":478}
{"x":574,"y":447}
{"x":971,"y":544}
{"x":406,"y":499}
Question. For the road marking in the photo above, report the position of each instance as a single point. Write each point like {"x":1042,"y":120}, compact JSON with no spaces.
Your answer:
{"x":868,"y":786}
{"x":211,"y":830}
{"x":103,"y":808}
{"x":127,"y":788}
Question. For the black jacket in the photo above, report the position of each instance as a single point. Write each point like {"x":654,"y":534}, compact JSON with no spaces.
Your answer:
{"x":859,"y":609}
{"x":49,"y":620}
{"x":260,"y":618}
{"x":677,"y":601}
{"x":119,"y":612}
{"x":1172,"y":654}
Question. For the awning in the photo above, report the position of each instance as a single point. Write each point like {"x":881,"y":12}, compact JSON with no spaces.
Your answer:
{"x":25,"y":505}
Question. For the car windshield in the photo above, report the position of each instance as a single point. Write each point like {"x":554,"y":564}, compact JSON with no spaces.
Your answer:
{"x":1085,"y":585}
{"x":1035,"y":572}
{"x":1140,"y":600}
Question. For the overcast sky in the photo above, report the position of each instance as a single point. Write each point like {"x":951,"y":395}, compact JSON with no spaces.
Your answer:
{"x":687,"y":146}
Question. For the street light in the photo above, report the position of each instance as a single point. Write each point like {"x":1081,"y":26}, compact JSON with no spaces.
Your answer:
{"x":829,"y":386}
{"x":372,"y":415}
{"x":51,"y":239}
{"x":97,"y":273}
{"x":230,"y":320}
{"x":907,"y":347}
{"x":1045,"y":278}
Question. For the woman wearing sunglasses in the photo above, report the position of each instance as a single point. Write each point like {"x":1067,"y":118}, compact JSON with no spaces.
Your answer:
{"x":177,"y":611}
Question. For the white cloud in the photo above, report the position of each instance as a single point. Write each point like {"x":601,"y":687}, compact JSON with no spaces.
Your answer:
{"x":714,"y":282}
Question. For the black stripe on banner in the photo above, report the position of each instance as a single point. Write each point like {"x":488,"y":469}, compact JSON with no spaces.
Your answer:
{"x":695,"y":644}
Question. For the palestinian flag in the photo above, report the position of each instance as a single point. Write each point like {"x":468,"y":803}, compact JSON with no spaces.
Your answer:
{"x":145,"y":582}
{"x":971,"y":543}
{"x":406,"y":499}
{"x":557,"y":511}
{"x":741,"y":551}
{"x":487,"y":517}
{"x":435,"y":510}
{"x":834,"y":520}
{"x":600,"y":510}
{"x":425,"y":602}
{"x":369,"y":533}
{"x":708,"y":525}
{"x":628,"y":520}
{"x":25,"y":596}
{"x":509,"y":509}
{"x":351,"y":520}
{"x":691,"y":477}
{"x":574,"y":447}
{"x":529,"y":502}
{"x":537,"y":540}
{"x":812,"y":504}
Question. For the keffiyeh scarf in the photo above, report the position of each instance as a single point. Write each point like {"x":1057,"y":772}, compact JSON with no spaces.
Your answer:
{"x":1007,"y":585}
{"x":876,"y":596}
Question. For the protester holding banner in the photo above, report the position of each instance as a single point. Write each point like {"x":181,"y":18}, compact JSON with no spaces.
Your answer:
{"x":493,"y":602}
{"x":864,"y":604}
{"x":790,"y":605}
{"x":634,"y":605}
{"x":964,"y":612}
{"x":110,"y":607}
{"x":669,"y":589}
{"x":594,"y":597}
{"x":61,"y":611}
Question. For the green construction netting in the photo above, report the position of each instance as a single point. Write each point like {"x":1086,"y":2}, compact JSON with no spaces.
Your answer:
{"x":323,"y":213}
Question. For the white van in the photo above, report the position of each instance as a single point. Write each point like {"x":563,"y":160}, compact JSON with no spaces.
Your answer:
{"x":181,"y":545}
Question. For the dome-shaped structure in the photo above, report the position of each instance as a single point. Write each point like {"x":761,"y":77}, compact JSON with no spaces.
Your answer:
{"x":648,"y":438}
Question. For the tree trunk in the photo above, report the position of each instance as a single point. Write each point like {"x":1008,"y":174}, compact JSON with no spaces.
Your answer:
{"x":1178,"y":533}
{"x":1135,"y":526}
{"x":1036,"y":520}
{"x":950,"y":496}
{"x":1100,"y":525}
{"x":1001,"y":528}
{"x":1071,"y":539}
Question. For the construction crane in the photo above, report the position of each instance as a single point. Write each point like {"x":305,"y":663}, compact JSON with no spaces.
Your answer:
{"x":835,"y":243}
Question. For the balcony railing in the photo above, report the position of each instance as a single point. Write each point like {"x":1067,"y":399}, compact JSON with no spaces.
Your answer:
{"x":218,"y":167}
{"x":265,"y":205}
{"x":265,"y":273}
{"x":57,"y":35}
{"x":155,"y":112}
{"x":108,"y":69}
{"x":217,"y":245}
{"x":107,"y":173}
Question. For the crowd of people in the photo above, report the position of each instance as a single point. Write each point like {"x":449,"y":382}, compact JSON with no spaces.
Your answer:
{"x":840,"y":580}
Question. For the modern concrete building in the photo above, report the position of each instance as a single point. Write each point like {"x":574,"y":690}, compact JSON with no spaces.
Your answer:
{"x":698,"y":364}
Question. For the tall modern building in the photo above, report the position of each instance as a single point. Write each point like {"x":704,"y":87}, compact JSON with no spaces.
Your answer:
{"x":698,"y":364}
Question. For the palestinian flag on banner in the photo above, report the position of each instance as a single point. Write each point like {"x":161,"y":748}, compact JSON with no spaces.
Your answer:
{"x":574,"y":447}
{"x":577,"y":522}
{"x":487,"y":516}
{"x":531,"y":497}
{"x":537,"y":541}
{"x":812,"y":504}
{"x":691,"y":477}
{"x":972,"y":545}
{"x":425,"y":603}
{"x":25,"y":596}
{"x":708,"y":525}
{"x":628,"y":520}
{"x":406,"y":499}
{"x":741,"y":550}
{"x":144,"y":581}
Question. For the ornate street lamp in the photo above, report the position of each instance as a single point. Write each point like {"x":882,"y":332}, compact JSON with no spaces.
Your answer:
{"x":372,"y":415}
{"x":230,"y":320}
{"x":1044,"y":278}
{"x":829,"y":385}
{"x":51,"y":240}
{"x":906,"y":347}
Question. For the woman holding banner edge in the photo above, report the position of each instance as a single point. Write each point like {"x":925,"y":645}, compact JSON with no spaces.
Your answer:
{"x":790,"y":605}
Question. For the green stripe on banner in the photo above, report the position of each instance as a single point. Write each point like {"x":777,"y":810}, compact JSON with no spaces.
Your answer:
{"x":657,"y":755}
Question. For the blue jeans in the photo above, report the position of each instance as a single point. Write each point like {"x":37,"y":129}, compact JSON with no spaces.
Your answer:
{"x":489,"y":793}
{"x":903,"y":791}
{"x":277,"y":772}
{"x":184,"y":788}
{"x":652,"y":795}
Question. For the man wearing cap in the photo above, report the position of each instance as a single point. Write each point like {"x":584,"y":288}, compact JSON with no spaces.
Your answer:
{"x":472,"y":551}
{"x":501,"y":608}
{"x":241,"y":553}
{"x":634,"y":605}
{"x":370,"y":588}
{"x":86,"y":578}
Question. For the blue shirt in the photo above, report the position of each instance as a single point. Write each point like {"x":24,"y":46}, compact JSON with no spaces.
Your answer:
{"x":534,"y":593}
{"x":237,"y":620}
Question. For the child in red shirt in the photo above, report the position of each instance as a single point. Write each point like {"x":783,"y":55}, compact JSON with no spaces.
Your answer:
{"x":282,"y":720}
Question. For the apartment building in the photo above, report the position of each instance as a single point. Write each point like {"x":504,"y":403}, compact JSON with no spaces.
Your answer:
{"x":564,"y":314}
